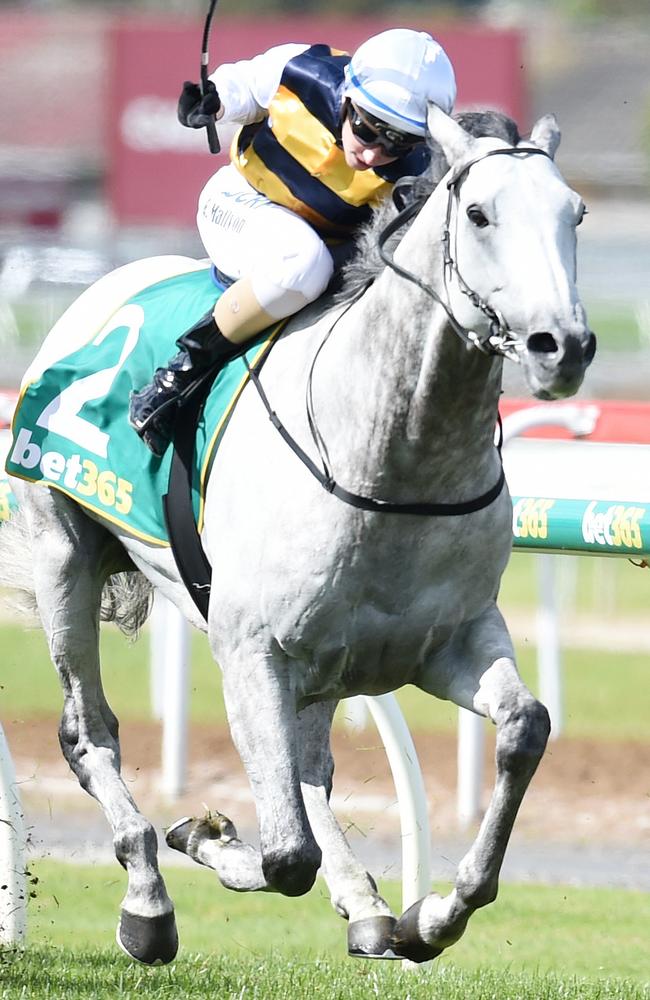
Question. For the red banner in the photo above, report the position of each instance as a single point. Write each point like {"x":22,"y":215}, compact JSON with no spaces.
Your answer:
{"x":157,"y":167}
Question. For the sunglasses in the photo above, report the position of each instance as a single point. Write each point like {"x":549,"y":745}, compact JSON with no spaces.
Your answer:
{"x":373,"y":132}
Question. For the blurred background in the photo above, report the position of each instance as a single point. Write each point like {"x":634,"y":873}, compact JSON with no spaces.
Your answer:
{"x":95,"y":170}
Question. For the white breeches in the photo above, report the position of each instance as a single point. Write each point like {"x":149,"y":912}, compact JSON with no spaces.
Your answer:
{"x":248,"y":236}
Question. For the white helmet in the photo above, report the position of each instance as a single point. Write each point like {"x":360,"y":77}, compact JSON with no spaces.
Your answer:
{"x":393,"y":75}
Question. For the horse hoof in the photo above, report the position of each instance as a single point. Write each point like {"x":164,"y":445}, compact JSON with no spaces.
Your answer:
{"x":148,"y":940}
{"x":185,"y":834}
{"x":406,"y":937}
{"x":372,"y":938}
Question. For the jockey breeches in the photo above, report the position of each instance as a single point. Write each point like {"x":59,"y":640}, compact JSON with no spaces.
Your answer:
{"x":248,"y":236}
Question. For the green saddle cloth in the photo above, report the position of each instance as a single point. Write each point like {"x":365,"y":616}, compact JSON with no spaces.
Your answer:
{"x":71,"y":429}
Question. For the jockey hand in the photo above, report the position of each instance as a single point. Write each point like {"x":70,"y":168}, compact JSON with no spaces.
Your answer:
{"x":196,"y":110}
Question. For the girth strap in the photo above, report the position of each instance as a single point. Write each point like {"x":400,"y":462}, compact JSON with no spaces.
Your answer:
{"x":193,"y":566}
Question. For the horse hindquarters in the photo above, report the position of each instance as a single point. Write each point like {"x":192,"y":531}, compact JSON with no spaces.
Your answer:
{"x":73,"y":562}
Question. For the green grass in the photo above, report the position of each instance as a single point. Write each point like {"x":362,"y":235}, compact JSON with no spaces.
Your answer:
{"x":597,"y":585}
{"x":605,"y":696}
{"x":616,"y":327}
{"x":96,"y":975}
{"x":534,"y":942}
{"x":604,"y":692}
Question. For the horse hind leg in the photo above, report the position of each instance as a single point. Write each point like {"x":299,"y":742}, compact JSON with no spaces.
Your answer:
{"x":352,"y":889}
{"x":74,"y":556}
{"x":484,"y":679}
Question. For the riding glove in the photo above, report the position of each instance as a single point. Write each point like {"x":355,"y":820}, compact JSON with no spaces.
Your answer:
{"x":195,"y":109}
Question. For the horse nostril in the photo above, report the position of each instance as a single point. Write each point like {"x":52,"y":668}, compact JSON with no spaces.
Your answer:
{"x":590,"y":349}
{"x":542,"y":343}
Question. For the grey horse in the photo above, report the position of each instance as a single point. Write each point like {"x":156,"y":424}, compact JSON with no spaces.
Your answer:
{"x":314,"y":599}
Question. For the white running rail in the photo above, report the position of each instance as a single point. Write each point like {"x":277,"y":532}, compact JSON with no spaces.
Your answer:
{"x":13,"y":880}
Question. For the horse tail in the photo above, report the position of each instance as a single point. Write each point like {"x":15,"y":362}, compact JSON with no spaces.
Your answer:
{"x":16,"y":573}
{"x":126,"y":598}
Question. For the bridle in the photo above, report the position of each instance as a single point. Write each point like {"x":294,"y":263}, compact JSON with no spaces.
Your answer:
{"x":500,"y":339}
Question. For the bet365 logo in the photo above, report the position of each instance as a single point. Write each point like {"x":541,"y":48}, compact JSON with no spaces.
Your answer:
{"x":75,"y":474}
{"x":617,"y":526}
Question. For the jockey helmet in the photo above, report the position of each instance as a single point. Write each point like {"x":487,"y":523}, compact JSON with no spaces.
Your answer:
{"x":394,"y":74}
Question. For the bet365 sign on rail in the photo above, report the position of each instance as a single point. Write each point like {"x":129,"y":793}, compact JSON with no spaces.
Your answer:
{"x":603,"y":527}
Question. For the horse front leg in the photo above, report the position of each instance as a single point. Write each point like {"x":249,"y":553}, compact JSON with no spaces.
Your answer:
{"x":352,"y":889}
{"x":477,"y":671}
{"x":261,"y":707}
{"x":68,"y":577}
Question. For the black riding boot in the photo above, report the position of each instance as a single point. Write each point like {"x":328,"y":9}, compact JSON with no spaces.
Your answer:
{"x":153,"y":410}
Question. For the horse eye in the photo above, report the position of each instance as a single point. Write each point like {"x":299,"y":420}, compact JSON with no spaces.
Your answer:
{"x":477,"y":217}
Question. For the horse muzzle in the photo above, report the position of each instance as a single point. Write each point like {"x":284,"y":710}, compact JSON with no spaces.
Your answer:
{"x":555,"y":364}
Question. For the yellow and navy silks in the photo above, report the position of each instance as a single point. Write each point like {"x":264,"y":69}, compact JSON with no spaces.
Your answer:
{"x":294,"y":156}
{"x":70,"y":428}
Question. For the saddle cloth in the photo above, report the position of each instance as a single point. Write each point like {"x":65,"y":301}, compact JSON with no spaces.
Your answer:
{"x":70,"y":428}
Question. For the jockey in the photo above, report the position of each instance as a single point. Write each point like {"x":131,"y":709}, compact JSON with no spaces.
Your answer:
{"x":323,"y":138}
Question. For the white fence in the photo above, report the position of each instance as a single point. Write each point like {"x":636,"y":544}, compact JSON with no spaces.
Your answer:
{"x":13,"y":877}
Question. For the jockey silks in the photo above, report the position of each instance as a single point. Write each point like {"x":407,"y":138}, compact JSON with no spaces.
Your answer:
{"x":294,"y":156}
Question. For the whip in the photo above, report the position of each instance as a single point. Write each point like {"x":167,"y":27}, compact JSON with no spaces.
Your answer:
{"x":213,"y":139}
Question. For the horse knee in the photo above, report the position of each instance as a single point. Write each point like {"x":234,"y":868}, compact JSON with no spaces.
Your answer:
{"x":292,"y":872}
{"x":523,"y":735}
{"x":135,"y":833}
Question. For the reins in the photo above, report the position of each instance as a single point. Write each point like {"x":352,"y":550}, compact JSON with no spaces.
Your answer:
{"x":324,"y":475}
{"x":500,"y":341}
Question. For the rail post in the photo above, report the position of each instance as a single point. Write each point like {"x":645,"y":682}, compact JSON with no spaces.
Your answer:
{"x":13,"y":876}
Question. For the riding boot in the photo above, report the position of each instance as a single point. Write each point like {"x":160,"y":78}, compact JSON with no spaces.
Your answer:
{"x":153,"y":409}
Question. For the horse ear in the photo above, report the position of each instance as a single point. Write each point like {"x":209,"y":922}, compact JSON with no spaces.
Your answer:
{"x":454,"y":140}
{"x":546,"y":134}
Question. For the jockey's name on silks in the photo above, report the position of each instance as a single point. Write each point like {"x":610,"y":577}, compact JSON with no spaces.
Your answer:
{"x":70,"y":429}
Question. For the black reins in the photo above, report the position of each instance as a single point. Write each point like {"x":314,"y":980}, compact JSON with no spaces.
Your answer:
{"x":326,"y":479}
{"x":500,"y":341}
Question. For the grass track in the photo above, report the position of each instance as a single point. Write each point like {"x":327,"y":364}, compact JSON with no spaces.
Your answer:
{"x":604,"y":692}
{"x":534,"y":942}
{"x":49,"y":974}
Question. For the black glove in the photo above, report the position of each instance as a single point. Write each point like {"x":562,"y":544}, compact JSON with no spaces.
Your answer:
{"x":196,"y":110}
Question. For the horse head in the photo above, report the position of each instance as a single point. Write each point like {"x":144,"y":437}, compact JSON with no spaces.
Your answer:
{"x":510,"y":253}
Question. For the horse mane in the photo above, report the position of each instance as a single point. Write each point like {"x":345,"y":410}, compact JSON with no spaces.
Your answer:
{"x":366,"y":264}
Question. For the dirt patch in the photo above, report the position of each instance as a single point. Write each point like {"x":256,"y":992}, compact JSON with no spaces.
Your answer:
{"x":584,"y":790}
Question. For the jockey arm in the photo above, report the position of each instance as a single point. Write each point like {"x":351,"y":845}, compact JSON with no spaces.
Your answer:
{"x":247,"y":87}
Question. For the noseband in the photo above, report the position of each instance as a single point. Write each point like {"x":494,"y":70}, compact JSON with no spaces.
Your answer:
{"x":500,"y":339}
